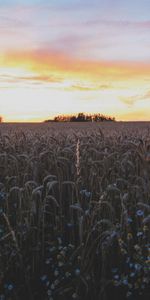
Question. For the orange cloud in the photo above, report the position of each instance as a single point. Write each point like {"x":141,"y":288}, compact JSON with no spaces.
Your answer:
{"x":133,"y":99}
{"x":88,"y":87}
{"x":32,"y":78}
{"x":45,"y":63}
{"x":76,"y":85}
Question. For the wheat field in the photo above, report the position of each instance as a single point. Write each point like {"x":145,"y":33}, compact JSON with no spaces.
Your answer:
{"x":75,"y":211}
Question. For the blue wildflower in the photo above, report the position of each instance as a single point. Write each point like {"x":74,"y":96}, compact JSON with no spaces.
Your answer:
{"x":114,"y":270}
{"x":85,"y":193}
{"x":88,"y":194}
{"x":125,"y":281}
{"x":77,"y":272}
{"x":82,"y":192}
{"x":44,"y":278}
{"x":129,"y":220}
{"x":139,"y":213}
{"x":139,"y":234}
{"x":138,"y":267}
{"x":2,"y":196}
{"x":9,"y":287}
{"x":70,"y":225}
{"x":132,"y":274}
{"x":116,"y":277}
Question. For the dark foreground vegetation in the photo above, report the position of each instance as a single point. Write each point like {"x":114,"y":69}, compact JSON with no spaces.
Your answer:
{"x":81,"y":117}
{"x":74,"y":212}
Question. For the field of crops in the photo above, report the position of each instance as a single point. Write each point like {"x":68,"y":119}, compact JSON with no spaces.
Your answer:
{"x":75,"y":211}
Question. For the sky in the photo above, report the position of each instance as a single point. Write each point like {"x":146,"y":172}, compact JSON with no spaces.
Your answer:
{"x":70,"y":56}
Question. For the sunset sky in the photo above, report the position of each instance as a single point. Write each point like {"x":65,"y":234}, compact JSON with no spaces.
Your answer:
{"x":69,"y":56}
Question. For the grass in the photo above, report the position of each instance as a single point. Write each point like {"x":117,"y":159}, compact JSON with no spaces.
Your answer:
{"x":75,"y":211}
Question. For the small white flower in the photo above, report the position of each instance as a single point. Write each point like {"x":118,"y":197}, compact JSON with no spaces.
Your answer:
{"x":52,"y":286}
{"x":74,"y":296}
{"x":56,"y":273}
{"x":60,"y":264}
{"x":49,"y":292}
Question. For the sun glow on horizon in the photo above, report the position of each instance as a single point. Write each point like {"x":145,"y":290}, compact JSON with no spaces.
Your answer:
{"x":48,"y":67}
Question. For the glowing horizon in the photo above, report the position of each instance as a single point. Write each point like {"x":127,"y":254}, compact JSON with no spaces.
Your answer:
{"x":65,"y":57}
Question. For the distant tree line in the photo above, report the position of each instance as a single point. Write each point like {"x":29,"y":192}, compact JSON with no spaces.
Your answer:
{"x":1,"y":119}
{"x":81,"y":117}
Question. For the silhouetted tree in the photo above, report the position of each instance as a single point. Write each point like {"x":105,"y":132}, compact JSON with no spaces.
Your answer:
{"x":81,"y":117}
{"x":73,"y":119}
{"x":88,"y":118}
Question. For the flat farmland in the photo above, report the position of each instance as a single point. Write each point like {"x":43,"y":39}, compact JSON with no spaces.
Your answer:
{"x":75,"y":211}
